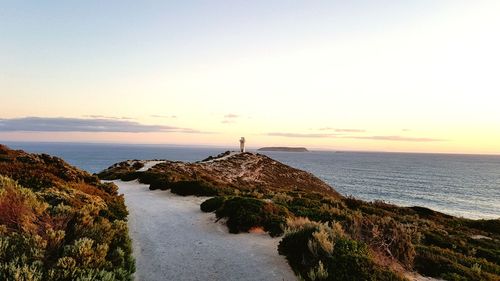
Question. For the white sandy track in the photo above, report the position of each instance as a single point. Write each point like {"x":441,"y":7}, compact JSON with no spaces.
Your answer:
{"x":174,"y":240}
{"x":149,"y":164}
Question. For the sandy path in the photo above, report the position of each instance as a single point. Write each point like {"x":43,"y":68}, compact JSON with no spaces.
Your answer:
{"x":149,"y":164}
{"x":174,"y":240}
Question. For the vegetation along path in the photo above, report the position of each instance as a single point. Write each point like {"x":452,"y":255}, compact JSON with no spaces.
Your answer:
{"x":174,"y":240}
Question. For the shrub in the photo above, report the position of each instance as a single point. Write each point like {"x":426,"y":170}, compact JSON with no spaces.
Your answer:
{"x":198,"y":188}
{"x":294,"y":224}
{"x":318,"y":251}
{"x":108,"y":187}
{"x":26,"y":272}
{"x":318,"y":273}
{"x":384,"y":235}
{"x":313,"y":209}
{"x":155,"y":180}
{"x":130,"y":176}
{"x":86,"y":253}
{"x":294,"y":246}
{"x":245,"y":213}
{"x":45,"y":235}
{"x":137,"y":165}
{"x":437,"y":262}
{"x":212,"y":204}
{"x":492,"y":226}
{"x":282,"y":198}
{"x":19,"y":207}
{"x":321,"y":241}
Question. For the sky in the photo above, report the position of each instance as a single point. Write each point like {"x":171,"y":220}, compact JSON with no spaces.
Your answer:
{"x":414,"y":76}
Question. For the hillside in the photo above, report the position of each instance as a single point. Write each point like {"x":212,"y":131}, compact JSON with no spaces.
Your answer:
{"x":224,"y":173}
{"x":59,"y":223}
{"x":325,"y":235}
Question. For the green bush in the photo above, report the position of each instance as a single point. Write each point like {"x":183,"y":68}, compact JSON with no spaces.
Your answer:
{"x":294,"y":246}
{"x":198,"y":188}
{"x":155,"y":180}
{"x":212,"y":204}
{"x":437,"y":262}
{"x":130,"y":176}
{"x":492,"y":226}
{"x":245,"y":213}
{"x":316,"y":248}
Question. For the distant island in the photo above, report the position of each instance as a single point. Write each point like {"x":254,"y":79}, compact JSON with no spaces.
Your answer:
{"x":283,"y":148}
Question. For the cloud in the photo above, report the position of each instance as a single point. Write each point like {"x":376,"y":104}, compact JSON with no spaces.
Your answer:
{"x":342,"y":130}
{"x":394,"y":138}
{"x":63,"y":124}
{"x":230,"y":118}
{"x":163,"y":116}
{"x":381,"y":138}
{"x":108,"y":117}
{"x":300,"y":135}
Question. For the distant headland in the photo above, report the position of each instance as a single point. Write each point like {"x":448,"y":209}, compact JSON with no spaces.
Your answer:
{"x":283,"y":148}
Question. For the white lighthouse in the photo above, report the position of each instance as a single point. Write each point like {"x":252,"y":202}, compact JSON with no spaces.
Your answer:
{"x":242,"y":144}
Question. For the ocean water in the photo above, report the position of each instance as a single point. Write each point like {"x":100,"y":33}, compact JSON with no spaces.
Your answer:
{"x":460,"y":185}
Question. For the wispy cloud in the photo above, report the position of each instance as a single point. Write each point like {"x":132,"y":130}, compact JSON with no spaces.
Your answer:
{"x":230,"y":118}
{"x":63,"y":124}
{"x":394,"y":138}
{"x":109,"y":117}
{"x":342,"y":130}
{"x":300,"y":135}
{"x":163,"y":116}
{"x":339,"y":136}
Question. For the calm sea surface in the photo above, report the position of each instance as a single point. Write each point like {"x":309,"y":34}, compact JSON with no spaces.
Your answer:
{"x":461,"y":185}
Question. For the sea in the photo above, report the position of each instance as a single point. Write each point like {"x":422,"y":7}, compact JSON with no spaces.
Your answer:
{"x":460,"y":185}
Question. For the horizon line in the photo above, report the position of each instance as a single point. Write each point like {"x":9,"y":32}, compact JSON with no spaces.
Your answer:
{"x":251,"y":147}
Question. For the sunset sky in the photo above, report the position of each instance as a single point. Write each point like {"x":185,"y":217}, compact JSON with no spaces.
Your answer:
{"x":418,"y":76}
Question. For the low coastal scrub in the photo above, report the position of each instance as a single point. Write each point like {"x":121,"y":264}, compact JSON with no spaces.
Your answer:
{"x":433,"y":261}
{"x":320,"y":251}
{"x":59,"y":223}
{"x":330,"y":237}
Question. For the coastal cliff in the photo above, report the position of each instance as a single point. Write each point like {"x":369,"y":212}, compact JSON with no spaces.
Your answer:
{"x":327,"y":236}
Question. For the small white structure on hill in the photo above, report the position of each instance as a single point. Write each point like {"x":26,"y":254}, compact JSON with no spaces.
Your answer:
{"x":242,"y":144}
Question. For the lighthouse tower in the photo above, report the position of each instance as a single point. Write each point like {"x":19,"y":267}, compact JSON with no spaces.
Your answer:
{"x":242,"y":144}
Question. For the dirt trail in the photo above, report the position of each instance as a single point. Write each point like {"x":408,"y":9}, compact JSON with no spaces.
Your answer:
{"x":174,"y":240}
